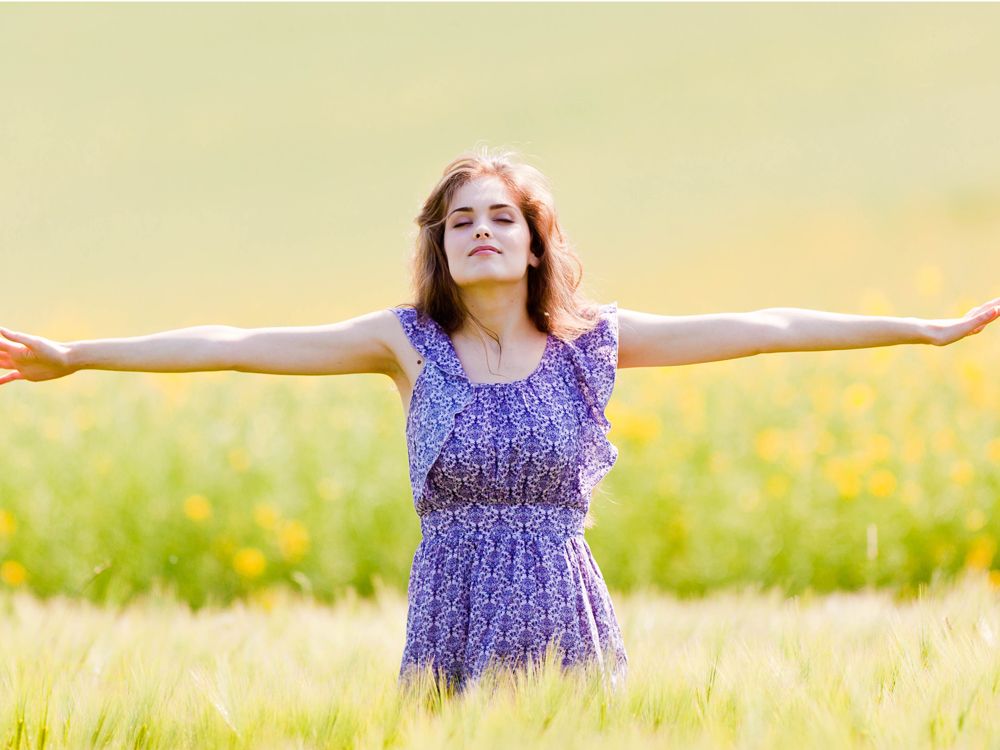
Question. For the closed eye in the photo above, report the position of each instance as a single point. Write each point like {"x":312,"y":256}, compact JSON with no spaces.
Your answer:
{"x":462,"y":224}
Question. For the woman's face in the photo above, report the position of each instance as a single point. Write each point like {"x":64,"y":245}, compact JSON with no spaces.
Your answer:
{"x":482,"y":212}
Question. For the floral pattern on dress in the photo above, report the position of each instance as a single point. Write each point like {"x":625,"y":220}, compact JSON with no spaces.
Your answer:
{"x":502,"y":476}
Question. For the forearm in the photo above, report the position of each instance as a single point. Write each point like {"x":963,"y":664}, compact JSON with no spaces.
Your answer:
{"x":793,"y":329}
{"x":196,"y":349}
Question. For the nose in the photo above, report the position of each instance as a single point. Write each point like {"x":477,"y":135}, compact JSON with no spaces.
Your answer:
{"x":482,"y":233}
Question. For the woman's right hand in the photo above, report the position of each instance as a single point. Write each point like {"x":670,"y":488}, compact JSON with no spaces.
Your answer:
{"x":32,"y":357}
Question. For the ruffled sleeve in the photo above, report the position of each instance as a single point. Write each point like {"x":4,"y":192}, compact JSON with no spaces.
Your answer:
{"x":595,"y":363}
{"x":601,"y":347}
{"x":439,"y":394}
{"x":415,"y":331}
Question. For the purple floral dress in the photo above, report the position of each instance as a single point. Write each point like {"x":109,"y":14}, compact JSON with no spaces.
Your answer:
{"x":502,"y":475}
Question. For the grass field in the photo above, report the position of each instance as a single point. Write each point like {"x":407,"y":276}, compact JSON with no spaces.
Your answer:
{"x":735,"y":669}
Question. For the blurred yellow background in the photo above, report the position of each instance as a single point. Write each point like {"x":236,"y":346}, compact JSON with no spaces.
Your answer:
{"x":167,"y":165}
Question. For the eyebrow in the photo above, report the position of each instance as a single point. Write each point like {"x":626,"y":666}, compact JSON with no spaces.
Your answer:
{"x":468,"y":208}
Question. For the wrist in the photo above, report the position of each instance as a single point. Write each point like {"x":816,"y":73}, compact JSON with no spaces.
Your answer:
{"x":927,"y":333}
{"x":72,"y":356}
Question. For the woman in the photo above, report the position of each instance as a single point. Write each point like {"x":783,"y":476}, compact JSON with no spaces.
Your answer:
{"x":504,"y":371}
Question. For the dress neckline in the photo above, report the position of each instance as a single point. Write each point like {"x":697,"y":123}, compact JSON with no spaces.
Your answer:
{"x":478,"y":384}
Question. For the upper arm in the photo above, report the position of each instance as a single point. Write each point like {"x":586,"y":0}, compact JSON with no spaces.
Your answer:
{"x":649,"y":340}
{"x":363,"y":344}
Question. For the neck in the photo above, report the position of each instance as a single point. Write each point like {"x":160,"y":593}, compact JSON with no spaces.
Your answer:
{"x":502,"y":309}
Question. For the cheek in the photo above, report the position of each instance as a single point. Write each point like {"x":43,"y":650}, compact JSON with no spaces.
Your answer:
{"x":451,"y":247}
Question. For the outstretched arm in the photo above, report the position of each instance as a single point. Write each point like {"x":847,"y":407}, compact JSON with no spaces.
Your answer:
{"x":796,"y":330}
{"x":648,"y":340}
{"x":357,"y":345}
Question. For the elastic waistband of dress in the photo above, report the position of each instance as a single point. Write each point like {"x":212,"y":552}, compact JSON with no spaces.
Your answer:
{"x":492,"y":518}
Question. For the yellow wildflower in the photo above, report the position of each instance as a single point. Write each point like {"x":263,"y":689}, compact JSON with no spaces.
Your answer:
{"x":8,"y":524}
{"x":981,"y":552}
{"x":769,"y":443}
{"x":293,"y":538}
{"x":197,"y":508}
{"x":882,"y":483}
{"x":249,"y":562}
{"x":631,"y":424}
{"x":845,"y":474}
{"x":13,"y":573}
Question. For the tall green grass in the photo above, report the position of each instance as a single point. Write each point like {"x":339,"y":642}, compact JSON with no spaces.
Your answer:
{"x":736,"y":669}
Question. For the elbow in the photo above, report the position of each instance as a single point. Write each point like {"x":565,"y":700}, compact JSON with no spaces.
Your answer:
{"x":768,"y":332}
{"x":230,"y":343}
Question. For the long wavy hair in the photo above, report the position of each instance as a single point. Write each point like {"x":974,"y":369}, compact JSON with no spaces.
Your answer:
{"x":555,"y":304}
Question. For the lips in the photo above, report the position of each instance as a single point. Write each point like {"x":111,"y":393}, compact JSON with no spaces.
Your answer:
{"x":482,"y":248}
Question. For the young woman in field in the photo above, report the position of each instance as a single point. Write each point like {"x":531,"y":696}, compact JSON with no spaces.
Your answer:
{"x":504,"y":371}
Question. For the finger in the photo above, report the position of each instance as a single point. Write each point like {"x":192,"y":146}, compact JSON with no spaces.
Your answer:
{"x":983,"y":308}
{"x":987,"y":315}
{"x":13,"y":335}
{"x":21,"y":338}
{"x":11,"y":376}
{"x":7,"y":350}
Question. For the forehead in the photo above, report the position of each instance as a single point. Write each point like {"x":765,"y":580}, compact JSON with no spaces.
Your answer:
{"x":482,"y":191}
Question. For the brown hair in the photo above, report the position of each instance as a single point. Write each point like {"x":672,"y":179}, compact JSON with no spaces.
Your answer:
{"x":554,"y":302}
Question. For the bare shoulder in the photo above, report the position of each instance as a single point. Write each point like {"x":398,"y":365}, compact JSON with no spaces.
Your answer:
{"x":407,"y":362}
{"x":648,"y":339}
{"x":384,"y":328}
{"x":634,"y":332}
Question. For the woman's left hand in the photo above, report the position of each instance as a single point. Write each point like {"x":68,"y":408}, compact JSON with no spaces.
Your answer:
{"x":950,"y":330}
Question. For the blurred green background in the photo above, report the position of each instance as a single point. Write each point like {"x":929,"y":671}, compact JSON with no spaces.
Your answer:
{"x":253,"y":165}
